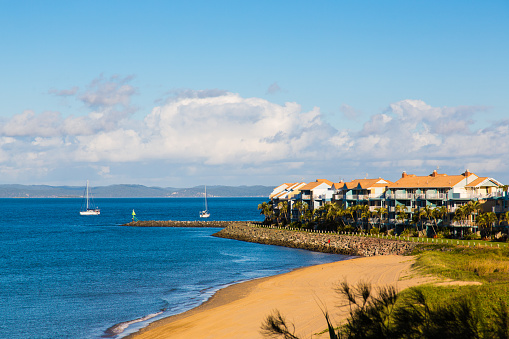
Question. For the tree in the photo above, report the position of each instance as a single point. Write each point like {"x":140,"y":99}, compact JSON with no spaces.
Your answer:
{"x":460,"y":214}
{"x":474,"y":207}
{"x":368,"y":215}
{"x":505,"y":216}
{"x":401,"y":214}
{"x":415,"y":221}
{"x":301,"y":208}
{"x":363,"y":213}
{"x":491,"y":219}
{"x":283,"y":210}
{"x":350,"y":210}
{"x":427,"y":213}
{"x":380,"y":212}
{"x":266,"y":210}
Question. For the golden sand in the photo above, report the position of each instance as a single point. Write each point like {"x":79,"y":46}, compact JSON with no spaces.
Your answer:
{"x":239,"y":310}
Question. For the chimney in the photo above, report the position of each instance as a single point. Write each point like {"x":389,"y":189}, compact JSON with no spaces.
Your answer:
{"x":467,"y":173}
{"x":404,"y":175}
{"x":434,"y":174}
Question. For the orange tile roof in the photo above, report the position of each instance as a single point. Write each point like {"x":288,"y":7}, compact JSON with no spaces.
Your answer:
{"x":316,"y":183}
{"x":328,"y":182}
{"x":476,"y":182}
{"x":338,"y":185}
{"x":365,"y":183}
{"x":480,"y":180}
{"x":439,"y":180}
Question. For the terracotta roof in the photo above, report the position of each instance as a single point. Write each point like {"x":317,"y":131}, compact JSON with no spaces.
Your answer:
{"x":338,"y":185}
{"x":314,"y":184}
{"x":439,"y":180}
{"x":366,"y":183}
{"x":477,"y":182}
{"x":328,"y":182}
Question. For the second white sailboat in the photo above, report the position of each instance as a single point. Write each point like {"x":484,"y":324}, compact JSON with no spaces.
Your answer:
{"x":205,"y":213}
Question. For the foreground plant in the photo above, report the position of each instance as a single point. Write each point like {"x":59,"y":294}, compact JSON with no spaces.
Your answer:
{"x":387,"y":314}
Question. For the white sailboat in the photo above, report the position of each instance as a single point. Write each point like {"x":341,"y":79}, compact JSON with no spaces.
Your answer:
{"x":87,"y":210}
{"x":205,"y":213}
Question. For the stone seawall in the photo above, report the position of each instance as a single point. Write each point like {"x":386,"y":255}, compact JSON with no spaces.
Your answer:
{"x":319,"y":242}
{"x":175,"y":223}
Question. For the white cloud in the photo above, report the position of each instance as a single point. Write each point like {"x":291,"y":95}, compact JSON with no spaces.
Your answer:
{"x":350,"y":112}
{"x":221,"y":134}
{"x":108,"y":92}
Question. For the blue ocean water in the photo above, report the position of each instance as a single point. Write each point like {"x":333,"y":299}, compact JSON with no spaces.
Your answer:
{"x":63,"y":275}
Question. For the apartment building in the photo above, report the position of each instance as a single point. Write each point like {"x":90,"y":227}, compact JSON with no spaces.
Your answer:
{"x":411,"y":191}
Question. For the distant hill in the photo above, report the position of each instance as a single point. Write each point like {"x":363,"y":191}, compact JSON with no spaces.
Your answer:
{"x":131,"y":191}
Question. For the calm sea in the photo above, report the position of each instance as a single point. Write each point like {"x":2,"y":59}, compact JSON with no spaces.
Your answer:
{"x":63,"y":275}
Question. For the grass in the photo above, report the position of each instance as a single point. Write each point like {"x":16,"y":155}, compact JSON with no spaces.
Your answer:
{"x":475,"y":309}
{"x":489,"y":266}
{"x":486,"y":265}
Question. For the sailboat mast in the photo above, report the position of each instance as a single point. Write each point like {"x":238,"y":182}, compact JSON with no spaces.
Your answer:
{"x":87,"y":194}
{"x":206,"y":208}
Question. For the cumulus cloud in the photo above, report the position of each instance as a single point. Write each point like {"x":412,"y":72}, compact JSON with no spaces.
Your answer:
{"x":415,"y":134}
{"x":224,"y":134}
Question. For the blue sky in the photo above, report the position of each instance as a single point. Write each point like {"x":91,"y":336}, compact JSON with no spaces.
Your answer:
{"x":180,"y":94}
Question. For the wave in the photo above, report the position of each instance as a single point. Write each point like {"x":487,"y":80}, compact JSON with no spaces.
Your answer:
{"x":120,"y":327}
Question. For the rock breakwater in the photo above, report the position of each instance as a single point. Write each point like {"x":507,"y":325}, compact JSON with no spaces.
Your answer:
{"x":176,"y":223}
{"x":319,"y":242}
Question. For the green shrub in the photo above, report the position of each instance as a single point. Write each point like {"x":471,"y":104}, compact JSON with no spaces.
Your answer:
{"x":374,"y":231}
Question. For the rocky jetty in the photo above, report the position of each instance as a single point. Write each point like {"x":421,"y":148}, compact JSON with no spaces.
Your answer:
{"x":315,"y":241}
{"x":175,"y":223}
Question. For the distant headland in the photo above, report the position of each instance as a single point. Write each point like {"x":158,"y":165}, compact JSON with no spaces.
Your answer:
{"x":131,"y":191}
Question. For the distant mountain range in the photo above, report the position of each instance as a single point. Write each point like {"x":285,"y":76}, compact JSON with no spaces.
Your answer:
{"x":131,"y":191}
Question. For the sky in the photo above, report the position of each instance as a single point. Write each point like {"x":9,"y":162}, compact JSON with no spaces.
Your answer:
{"x":187,"y":93}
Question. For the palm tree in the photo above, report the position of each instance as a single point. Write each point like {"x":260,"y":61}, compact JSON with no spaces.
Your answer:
{"x":438,"y":213}
{"x":460,"y":213}
{"x":368,"y":215}
{"x":505,"y":216}
{"x":416,"y":217}
{"x":491,"y":219}
{"x":267,"y":211}
{"x":380,"y":211}
{"x":363,"y":210}
{"x":283,"y":210}
{"x":427,"y":213}
{"x":474,"y":207}
{"x":350,"y":210}
{"x":301,"y":208}
{"x":401,"y":214}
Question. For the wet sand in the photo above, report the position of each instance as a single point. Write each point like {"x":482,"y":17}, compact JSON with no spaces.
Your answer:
{"x":238,"y":311}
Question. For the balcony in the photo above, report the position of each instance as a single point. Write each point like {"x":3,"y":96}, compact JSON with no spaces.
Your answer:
{"x":306,"y":197}
{"x":399,"y":196}
{"x":436,"y":196}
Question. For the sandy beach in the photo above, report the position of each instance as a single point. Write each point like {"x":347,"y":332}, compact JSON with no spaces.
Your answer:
{"x":239,"y":310}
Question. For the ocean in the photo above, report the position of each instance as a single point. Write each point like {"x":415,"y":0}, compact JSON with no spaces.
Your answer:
{"x":63,"y":275}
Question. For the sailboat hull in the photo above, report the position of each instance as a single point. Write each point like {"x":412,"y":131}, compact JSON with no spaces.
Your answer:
{"x":90,"y":212}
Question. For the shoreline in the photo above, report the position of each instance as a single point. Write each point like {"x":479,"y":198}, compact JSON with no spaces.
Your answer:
{"x":238,"y":310}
